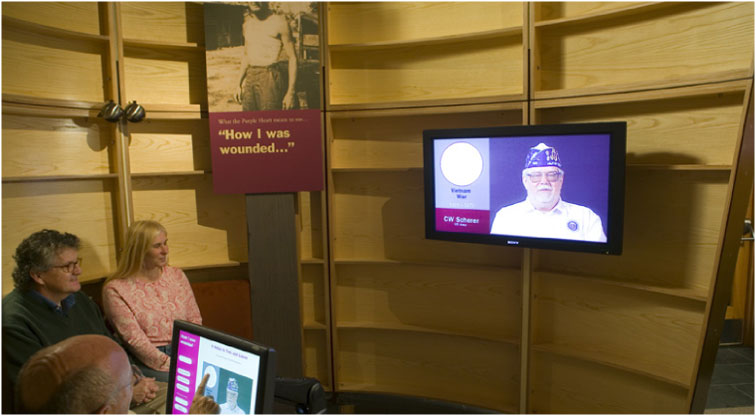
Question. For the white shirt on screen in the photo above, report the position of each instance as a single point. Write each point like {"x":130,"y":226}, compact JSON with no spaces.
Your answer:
{"x":565,"y":221}
{"x":225,"y":409}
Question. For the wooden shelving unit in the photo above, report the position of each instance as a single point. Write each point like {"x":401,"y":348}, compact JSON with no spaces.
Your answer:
{"x":622,"y":329}
{"x":680,"y":82}
{"x":403,"y":56}
{"x":96,"y":184}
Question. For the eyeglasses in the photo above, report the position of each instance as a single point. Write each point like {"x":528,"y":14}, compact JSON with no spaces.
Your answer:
{"x":69,"y":267}
{"x":550,"y":176}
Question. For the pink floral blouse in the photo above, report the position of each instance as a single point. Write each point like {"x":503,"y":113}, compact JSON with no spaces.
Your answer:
{"x":143,"y":312}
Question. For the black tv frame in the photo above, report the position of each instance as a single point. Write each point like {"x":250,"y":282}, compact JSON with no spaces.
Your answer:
{"x":617,"y":132}
{"x":266,"y":381}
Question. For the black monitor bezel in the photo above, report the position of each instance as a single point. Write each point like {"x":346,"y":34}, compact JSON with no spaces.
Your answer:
{"x":266,"y":383}
{"x":617,"y":132}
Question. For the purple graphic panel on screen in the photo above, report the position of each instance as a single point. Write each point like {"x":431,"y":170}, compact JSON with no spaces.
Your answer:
{"x":186,"y":372}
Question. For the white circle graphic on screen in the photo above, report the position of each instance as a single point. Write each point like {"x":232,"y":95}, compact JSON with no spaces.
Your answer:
{"x":461,"y":163}
{"x":213,"y":376}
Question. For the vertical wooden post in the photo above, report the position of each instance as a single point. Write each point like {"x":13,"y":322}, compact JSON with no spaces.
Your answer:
{"x":525,"y":330}
{"x":120,"y":148}
{"x":741,"y":184}
{"x":274,"y":278}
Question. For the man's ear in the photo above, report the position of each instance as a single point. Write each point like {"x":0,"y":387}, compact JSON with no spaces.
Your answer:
{"x":37,"y":277}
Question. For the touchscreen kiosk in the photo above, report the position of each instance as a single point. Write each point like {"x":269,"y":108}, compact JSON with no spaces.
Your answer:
{"x":241,"y":372}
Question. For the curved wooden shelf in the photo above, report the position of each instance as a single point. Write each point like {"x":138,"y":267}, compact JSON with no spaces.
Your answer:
{"x":374,"y":170}
{"x":684,"y":86}
{"x":423,"y":104}
{"x":179,"y":173}
{"x":415,"y":43}
{"x":644,"y":166}
{"x":638,"y":8}
{"x":19,"y":179}
{"x":443,"y":107}
{"x":155,"y":44}
{"x":370,"y":326}
{"x":53,"y":31}
{"x":315,"y":326}
{"x":229,"y":263}
{"x":49,"y":107}
{"x":607,"y":361}
{"x":681,"y":167}
{"x":391,"y":389}
{"x":429,"y":263}
{"x":174,"y":111}
{"x":698,"y":295}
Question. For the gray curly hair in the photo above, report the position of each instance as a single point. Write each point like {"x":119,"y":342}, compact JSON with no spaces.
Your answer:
{"x":37,"y":253}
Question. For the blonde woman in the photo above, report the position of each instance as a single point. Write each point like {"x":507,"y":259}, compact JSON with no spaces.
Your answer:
{"x":143,"y":297}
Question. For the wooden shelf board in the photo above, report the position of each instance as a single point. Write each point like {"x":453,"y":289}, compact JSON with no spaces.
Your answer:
{"x":229,"y":263}
{"x":722,"y":82}
{"x":17,"y":179}
{"x":368,"y":170}
{"x":681,"y":167}
{"x":415,"y":43}
{"x":406,"y":105}
{"x":368,"y":262}
{"x":427,"y":110}
{"x":159,"y":44}
{"x":48,"y":107}
{"x":607,"y":361}
{"x":178,"y":173}
{"x":391,"y":389}
{"x":699,"y":295}
{"x":312,"y":261}
{"x":174,"y":111}
{"x":606,"y":14}
{"x":646,"y":166}
{"x":311,"y":325}
{"x":367,"y":325}
{"x":53,"y":31}
{"x":50,"y":102}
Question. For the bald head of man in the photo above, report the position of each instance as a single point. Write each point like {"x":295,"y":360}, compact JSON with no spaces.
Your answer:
{"x":82,"y":374}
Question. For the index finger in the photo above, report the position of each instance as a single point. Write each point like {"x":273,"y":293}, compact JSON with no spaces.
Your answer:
{"x":201,"y":387}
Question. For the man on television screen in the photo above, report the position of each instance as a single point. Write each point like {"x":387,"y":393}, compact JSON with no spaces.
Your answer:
{"x":543,"y":213}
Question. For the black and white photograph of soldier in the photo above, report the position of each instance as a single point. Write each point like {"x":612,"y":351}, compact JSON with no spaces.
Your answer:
{"x":262,"y":56}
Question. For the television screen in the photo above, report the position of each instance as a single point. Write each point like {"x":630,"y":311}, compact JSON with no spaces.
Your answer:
{"x":241,"y":373}
{"x":549,"y":186}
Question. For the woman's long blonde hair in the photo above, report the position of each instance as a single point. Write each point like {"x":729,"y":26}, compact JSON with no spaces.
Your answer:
{"x":138,"y":242}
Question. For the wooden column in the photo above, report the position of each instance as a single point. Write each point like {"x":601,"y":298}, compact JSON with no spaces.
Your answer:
{"x":273,"y":277}
{"x":741,"y":184}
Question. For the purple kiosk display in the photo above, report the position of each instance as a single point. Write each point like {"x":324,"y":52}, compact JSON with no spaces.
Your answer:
{"x":550,"y":186}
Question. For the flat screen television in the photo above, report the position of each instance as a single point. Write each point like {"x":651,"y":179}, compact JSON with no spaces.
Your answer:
{"x":241,"y":373}
{"x":559,"y":187}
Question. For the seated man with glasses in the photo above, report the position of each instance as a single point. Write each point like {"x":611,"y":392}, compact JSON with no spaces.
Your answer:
{"x":543,"y":213}
{"x":46,"y":307}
